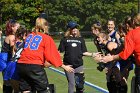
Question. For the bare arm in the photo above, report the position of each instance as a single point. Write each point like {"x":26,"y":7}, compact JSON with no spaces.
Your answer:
{"x":91,"y":54}
{"x":110,"y":58}
{"x":87,"y":54}
{"x":116,"y":57}
{"x":118,"y":38}
{"x":12,"y":43}
{"x":111,"y":46}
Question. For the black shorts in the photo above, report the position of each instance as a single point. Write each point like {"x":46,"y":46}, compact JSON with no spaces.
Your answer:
{"x":32,"y":77}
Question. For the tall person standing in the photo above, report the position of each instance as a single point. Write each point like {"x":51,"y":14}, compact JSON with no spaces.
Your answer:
{"x":73,"y":45}
{"x":38,"y":48}
{"x":8,"y":48}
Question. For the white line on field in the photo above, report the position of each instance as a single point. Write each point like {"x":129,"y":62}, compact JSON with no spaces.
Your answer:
{"x":89,"y":68}
{"x":87,"y":83}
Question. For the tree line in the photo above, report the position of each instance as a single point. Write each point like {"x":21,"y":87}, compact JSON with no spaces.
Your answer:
{"x":59,"y":12}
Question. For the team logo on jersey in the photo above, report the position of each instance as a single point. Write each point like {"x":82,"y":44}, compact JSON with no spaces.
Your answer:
{"x":113,"y":40}
{"x":74,"y":45}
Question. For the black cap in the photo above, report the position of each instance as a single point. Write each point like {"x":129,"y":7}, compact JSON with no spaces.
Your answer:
{"x":72,"y":25}
{"x":43,"y":15}
{"x":12,"y":21}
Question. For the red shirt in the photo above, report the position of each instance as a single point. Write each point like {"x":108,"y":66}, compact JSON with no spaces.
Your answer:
{"x":38,"y":48}
{"x":132,"y":45}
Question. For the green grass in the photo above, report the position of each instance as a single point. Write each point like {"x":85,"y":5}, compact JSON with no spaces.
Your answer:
{"x":92,"y":75}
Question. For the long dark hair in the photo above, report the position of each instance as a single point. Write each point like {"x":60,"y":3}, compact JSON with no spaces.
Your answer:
{"x":129,"y":20}
{"x":21,"y":32}
{"x":11,"y":23}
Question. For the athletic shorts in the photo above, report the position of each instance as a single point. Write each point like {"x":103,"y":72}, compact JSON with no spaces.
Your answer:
{"x":10,"y":71}
{"x":3,"y":61}
{"x":32,"y":77}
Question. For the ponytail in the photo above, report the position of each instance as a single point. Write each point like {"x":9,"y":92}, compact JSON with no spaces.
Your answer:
{"x":41,"y":25}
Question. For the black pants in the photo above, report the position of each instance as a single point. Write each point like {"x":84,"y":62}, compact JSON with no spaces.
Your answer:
{"x":116,"y":84}
{"x":32,"y":77}
{"x":137,"y":79}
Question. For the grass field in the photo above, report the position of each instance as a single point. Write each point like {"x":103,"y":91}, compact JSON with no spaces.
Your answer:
{"x":92,"y":75}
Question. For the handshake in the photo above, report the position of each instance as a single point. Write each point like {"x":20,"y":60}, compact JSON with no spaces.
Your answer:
{"x":102,"y":60}
{"x":98,"y":57}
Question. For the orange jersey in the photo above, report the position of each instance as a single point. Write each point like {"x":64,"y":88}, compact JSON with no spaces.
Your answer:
{"x":132,"y":45}
{"x":39,"y":48}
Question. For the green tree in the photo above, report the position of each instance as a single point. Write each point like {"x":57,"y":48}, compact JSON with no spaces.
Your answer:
{"x":59,"y":12}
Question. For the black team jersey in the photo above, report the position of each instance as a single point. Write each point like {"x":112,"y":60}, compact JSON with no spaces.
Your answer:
{"x":74,"y":47}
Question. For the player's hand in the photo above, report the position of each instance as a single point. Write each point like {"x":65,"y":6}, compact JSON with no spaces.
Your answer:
{"x":107,"y":58}
{"x":98,"y":57}
{"x":47,"y":64}
{"x":96,"y":54}
{"x":68,"y":68}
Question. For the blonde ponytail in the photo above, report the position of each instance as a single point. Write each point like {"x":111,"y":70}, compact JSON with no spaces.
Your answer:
{"x":41,"y":25}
